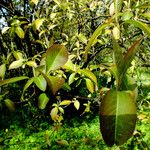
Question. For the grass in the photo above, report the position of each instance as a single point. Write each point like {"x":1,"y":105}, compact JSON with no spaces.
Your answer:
{"x":75,"y":134}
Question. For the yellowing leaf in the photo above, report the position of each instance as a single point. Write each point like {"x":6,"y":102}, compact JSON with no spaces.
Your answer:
{"x":71,"y":78}
{"x":35,"y":2}
{"x":37,"y":23}
{"x":5,"y":29}
{"x":89,"y":85}
{"x":16,"y":64}
{"x":116,"y":33}
{"x":76,"y":104}
{"x":2,"y":70}
{"x":31,"y":63}
{"x":111,"y":9}
{"x":19,"y":31}
{"x":54,"y":113}
{"x":65,"y":102}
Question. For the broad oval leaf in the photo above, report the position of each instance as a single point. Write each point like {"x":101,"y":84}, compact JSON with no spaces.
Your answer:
{"x":65,"y":102}
{"x":117,"y":117}
{"x":37,"y":23}
{"x":10,"y":104}
{"x":2,"y":70}
{"x":40,"y":82}
{"x":42,"y":101}
{"x":18,"y":55}
{"x":31,"y":63}
{"x":19,"y":31}
{"x":12,"y":80}
{"x":77,"y":104}
{"x":89,"y":85}
{"x":54,"y":113}
{"x":16,"y":64}
{"x":56,"y":57}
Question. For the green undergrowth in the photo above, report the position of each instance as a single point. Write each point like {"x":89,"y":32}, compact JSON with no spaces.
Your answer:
{"x":74,"y":134}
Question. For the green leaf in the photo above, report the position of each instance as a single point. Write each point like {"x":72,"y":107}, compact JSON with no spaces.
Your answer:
{"x":54,"y":113}
{"x":77,"y":104}
{"x":82,"y":38}
{"x":42,"y":101}
{"x":31,"y":63}
{"x":65,"y":102}
{"x":117,"y":117}
{"x":89,"y":85}
{"x":54,"y":82}
{"x":16,"y":64}
{"x":12,"y":80}
{"x":127,"y":15}
{"x":18,"y":55}
{"x":144,"y":27}
{"x":10,"y":104}
{"x":40,"y":82}
{"x":71,"y":78}
{"x":2,"y":70}
{"x":128,"y":57}
{"x":19,"y":31}
{"x":89,"y":74}
{"x":117,"y":6}
{"x":94,"y":36}
{"x":37,"y":23}
{"x":61,"y":110}
{"x":56,"y":57}
{"x":29,"y":82}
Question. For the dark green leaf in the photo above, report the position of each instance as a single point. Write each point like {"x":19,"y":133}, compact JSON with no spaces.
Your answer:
{"x":117,"y":117}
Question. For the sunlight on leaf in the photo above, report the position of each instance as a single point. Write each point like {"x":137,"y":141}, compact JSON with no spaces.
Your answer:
{"x":56,"y":57}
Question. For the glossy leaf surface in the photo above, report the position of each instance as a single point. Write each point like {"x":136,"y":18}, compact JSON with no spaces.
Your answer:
{"x":56,"y":57}
{"x":40,"y":82}
{"x":42,"y":101}
{"x":117,"y":117}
